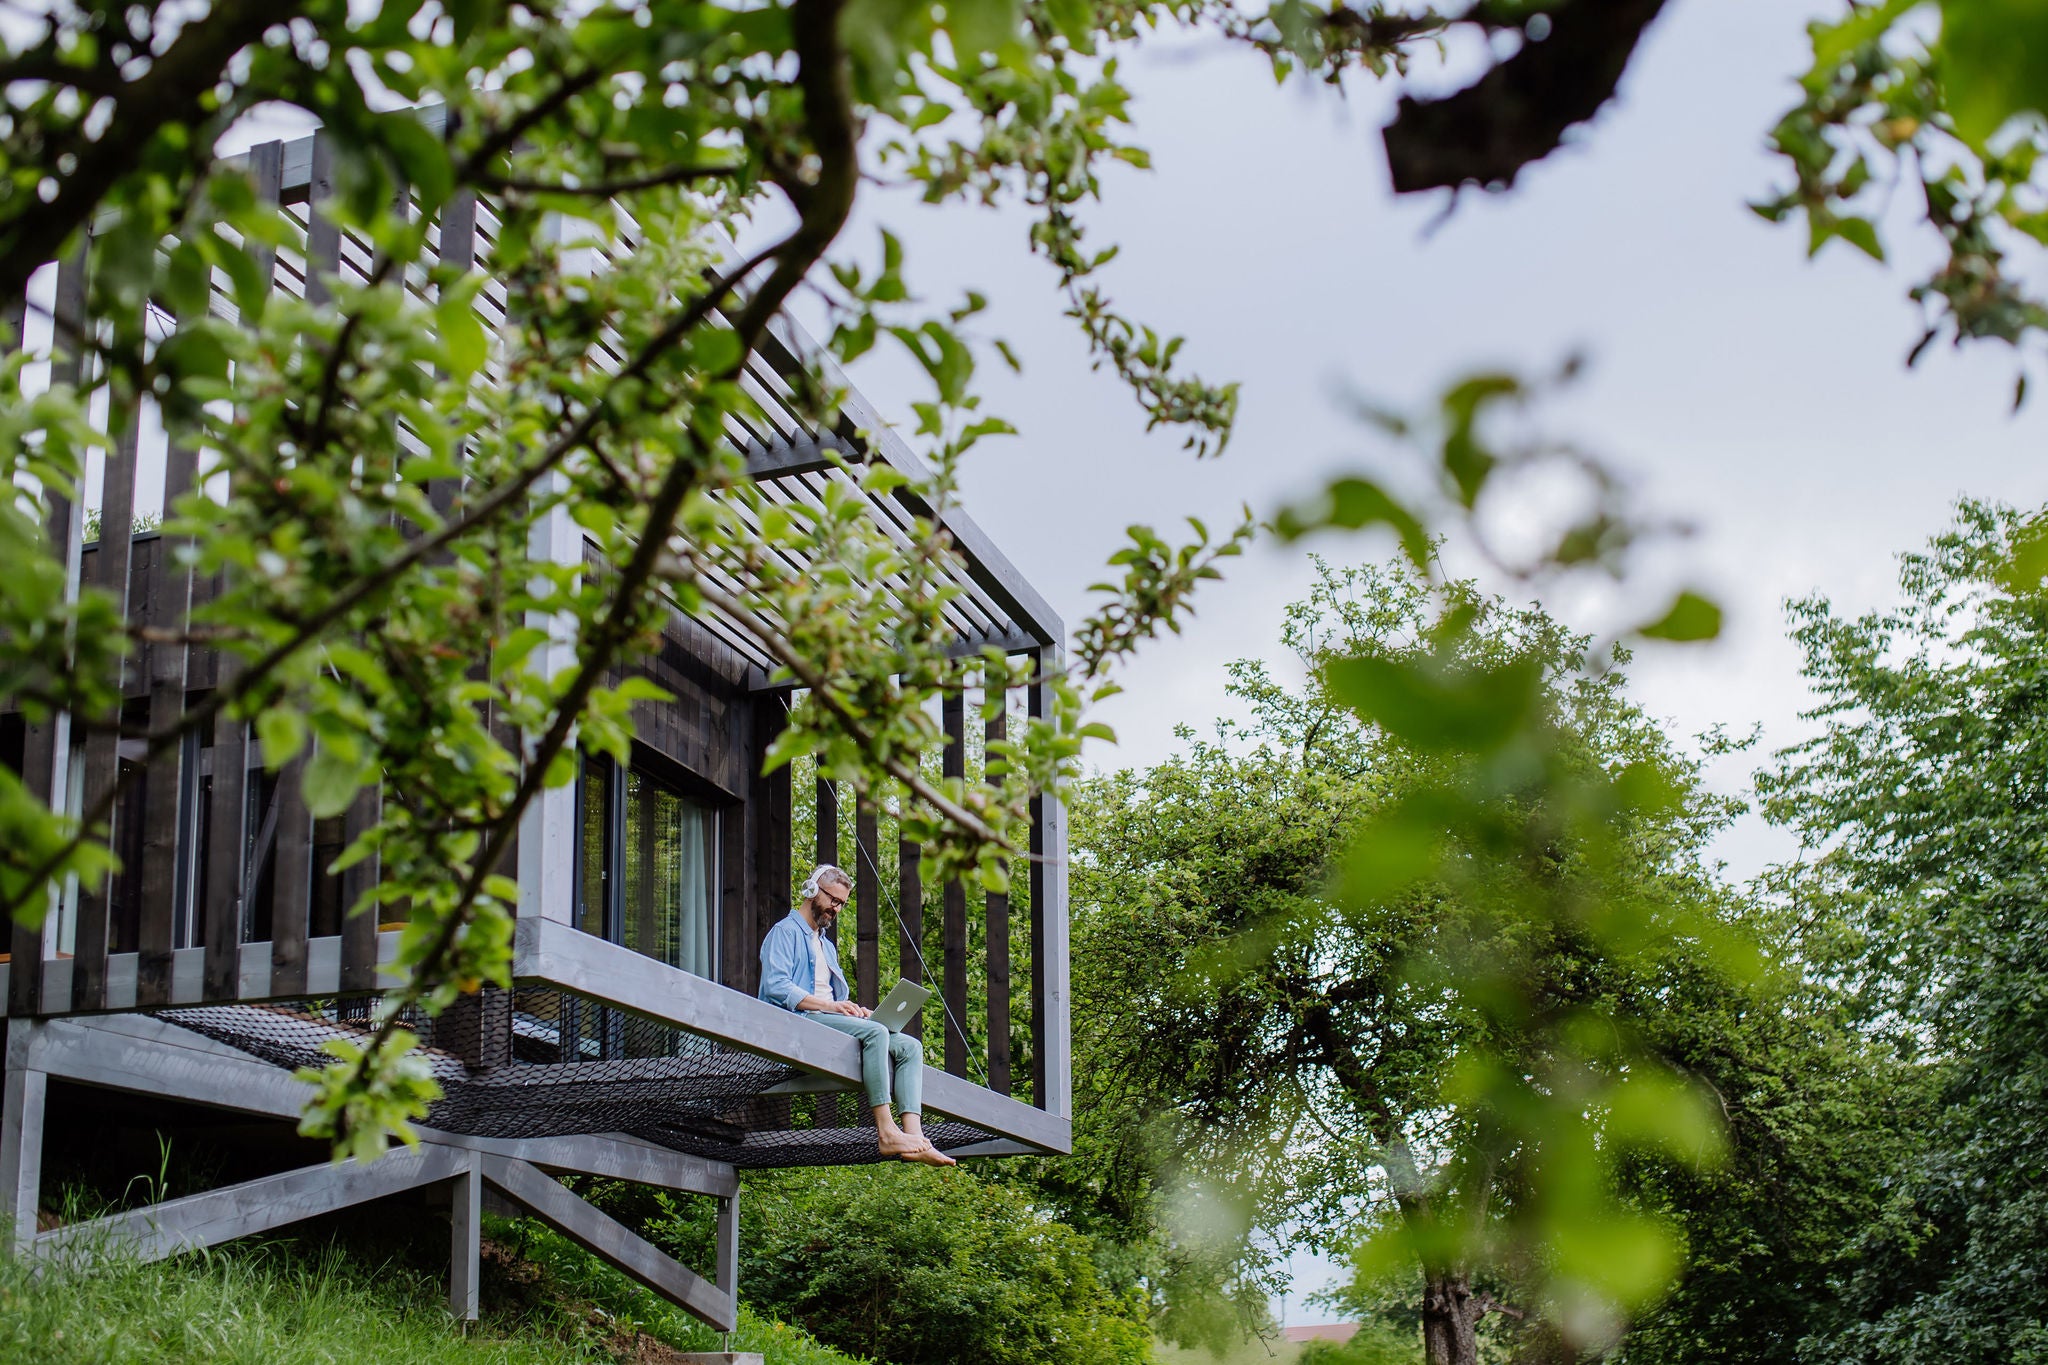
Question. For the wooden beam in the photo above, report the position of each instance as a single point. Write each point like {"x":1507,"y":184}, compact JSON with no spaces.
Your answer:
{"x":790,"y":350}
{"x":610,"y":1156}
{"x":204,"y":1220}
{"x":867,"y":897}
{"x":782,"y":459}
{"x":611,"y":1243}
{"x":252,"y":979}
{"x":46,"y":749}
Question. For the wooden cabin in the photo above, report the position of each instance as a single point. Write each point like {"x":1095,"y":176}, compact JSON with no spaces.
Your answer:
{"x":631,"y":1046}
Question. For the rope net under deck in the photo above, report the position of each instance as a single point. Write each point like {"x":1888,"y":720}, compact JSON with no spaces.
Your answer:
{"x":539,"y":1062}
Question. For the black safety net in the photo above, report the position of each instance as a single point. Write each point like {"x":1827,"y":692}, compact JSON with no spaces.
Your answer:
{"x":538,"y":1062}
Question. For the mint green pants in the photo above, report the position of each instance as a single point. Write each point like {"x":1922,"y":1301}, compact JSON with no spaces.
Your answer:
{"x":878,"y":1049}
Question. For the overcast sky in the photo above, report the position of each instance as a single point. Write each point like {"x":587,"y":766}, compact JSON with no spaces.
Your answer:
{"x":1743,"y":387}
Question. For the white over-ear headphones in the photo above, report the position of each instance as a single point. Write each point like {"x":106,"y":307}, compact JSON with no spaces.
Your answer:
{"x":821,"y":874}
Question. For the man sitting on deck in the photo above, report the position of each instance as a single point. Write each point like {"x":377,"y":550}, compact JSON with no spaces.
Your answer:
{"x":800,"y":971}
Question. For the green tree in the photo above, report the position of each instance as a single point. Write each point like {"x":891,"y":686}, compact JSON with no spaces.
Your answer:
{"x":1290,"y":1036}
{"x":1918,"y":803}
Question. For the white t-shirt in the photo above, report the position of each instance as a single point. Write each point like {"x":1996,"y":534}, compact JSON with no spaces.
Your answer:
{"x":821,"y":971}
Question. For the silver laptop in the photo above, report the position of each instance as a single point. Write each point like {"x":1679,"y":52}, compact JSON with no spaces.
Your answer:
{"x":901,"y":1005}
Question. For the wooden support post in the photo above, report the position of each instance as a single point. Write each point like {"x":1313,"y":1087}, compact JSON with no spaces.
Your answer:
{"x":953,"y":930}
{"x":728,"y":1270}
{"x":23,"y":1090}
{"x":46,"y":749}
{"x":910,"y":905}
{"x":103,"y":741}
{"x":1051,"y":1045}
{"x":867,"y":910}
{"x":465,"y":1244}
{"x":997,"y":909}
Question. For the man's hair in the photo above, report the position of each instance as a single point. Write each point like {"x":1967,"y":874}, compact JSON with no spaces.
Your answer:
{"x":822,"y":876}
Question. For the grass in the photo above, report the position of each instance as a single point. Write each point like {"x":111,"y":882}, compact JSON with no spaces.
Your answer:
{"x":1274,"y":1352}
{"x":283,"y":1303}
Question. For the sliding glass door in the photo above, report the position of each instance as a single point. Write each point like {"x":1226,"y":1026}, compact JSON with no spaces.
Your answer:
{"x":649,"y":866}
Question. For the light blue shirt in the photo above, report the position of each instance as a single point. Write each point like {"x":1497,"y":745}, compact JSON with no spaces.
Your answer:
{"x":787,"y":971}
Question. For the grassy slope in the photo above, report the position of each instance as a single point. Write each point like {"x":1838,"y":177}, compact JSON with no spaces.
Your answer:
{"x":286,"y":1305}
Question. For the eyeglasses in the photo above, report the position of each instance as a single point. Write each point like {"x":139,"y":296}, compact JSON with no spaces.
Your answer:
{"x":838,"y":903}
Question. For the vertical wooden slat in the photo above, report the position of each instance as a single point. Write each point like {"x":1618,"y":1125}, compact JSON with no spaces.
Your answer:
{"x":458,"y":251}
{"x":359,"y":926}
{"x":828,"y":852}
{"x":867,"y":893}
{"x":323,"y":234}
{"x":767,"y":815}
{"x":828,"y":833}
{"x":103,"y":741}
{"x":953,"y":929}
{"x":910,"y":905}
{"x":46,"y":743}
{"x":291,"y":885}
{"x":227,"y":804}
{"x":167,"y":608}
{"x":292,"y":879}
{"x":998,"y":926}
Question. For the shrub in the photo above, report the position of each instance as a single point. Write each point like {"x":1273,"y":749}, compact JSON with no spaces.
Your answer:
{"x":920,"y":1267}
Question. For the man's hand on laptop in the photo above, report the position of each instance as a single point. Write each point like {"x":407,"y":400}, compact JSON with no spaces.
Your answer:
{"x":815,"y":1005}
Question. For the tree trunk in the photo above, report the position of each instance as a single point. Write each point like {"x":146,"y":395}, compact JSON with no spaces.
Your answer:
{"x":1450,"y":1319}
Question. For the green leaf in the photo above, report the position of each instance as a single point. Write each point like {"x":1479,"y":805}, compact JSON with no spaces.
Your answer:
{"x":463,"y":338}
{"x":282,"y":733}
{"x":1691,"y":617}
{"x":329,"y":784}
{"x":1993,"y":59}
{"x":1436,"y":706}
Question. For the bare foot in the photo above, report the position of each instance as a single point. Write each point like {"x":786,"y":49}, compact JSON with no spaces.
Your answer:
{"x":904,"y":1147}
{"x":929,"y":1155}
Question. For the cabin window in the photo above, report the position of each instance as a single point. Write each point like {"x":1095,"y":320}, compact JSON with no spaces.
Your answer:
{"x":647,"y":872}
